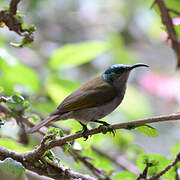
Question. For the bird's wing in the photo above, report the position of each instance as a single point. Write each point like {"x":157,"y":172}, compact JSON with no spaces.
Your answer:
{"x":93,"y":93}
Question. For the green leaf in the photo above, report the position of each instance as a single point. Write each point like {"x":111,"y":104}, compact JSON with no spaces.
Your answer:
{"x":15,"y":74}
{"x":49,"y":154}
{"x":147,"y":130}
{"x":124,"y":175}
{"x":14,"y":145}
{"x":17,"y":104}
{"x":175,"y":149}
{"x":18,"y":99}
{"x":77,"y":54}
{"x":1,"y":89}
{"x":27,"y":41}
{"x":11,"y":169}
{"x":55,"y":131}
{"x":67,"y":146}
{"x":159,"y":163}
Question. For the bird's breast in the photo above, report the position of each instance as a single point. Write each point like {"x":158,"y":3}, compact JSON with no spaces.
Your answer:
{"x":95,"y":113}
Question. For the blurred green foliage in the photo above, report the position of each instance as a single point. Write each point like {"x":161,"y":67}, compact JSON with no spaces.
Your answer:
{"x":11,"y":169}
{"x":125,"y":175}
{"x":76,"y":43}
{"x":159,"y":162}
{"x":77,"y":54}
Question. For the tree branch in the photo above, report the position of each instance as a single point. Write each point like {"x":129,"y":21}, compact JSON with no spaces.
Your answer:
{"x":167,"y":21}
{"x":96,"y":171}
{"x":49,"y":169}
{"x":7,"y":16}
{"x":13,"y":6}
{"x":15,"y":23}
{"x":39,"y":151}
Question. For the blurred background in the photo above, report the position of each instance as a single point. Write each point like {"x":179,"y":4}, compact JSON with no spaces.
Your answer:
{"x":76,"y":40}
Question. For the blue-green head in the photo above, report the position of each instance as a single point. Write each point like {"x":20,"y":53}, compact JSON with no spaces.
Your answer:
{"x":117,"y":71}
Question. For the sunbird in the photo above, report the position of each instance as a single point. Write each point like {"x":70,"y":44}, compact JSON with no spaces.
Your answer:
{"x":95,"y":99}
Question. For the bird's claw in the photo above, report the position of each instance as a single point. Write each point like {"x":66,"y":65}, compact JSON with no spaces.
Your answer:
{"x":107,"y":128}
{"x":84,"y":131}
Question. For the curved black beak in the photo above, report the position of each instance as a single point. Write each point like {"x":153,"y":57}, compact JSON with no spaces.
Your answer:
{"x":138,"y":65}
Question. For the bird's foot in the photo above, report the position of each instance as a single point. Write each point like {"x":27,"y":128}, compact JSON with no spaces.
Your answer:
{"x":84,"y":131}
{"x":106,"y":127}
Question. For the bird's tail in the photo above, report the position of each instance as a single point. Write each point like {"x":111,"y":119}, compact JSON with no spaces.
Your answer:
{"x":43,"y":123}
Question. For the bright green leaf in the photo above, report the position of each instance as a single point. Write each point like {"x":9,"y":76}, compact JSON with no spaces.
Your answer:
{"x":50,"y":155}
{"x":18,"y":99}
{"x":175,"y":149}
{"x":15,"y":74}
{"x":147,"y":130}
{"x":55,"y":131}
{"x":124,"y":175}
{"x":13,"y":145}
{"x":159,"y":163}
{"x":77,"y":54}
{"x":1,"y":89}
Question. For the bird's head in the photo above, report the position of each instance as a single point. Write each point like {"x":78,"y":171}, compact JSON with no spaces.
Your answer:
{"x":120,"y":72}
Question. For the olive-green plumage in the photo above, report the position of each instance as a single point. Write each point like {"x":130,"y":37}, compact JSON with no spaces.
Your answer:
{"x":95,"y":99}
{"x":93,"y":93}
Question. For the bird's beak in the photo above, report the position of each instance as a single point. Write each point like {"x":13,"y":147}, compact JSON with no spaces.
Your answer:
{"x":138,"y":65}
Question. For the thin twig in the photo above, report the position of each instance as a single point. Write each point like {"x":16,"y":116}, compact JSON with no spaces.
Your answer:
{"x":144,"y":174}
{"x":177,"y":159}
{"x":174,"y":11}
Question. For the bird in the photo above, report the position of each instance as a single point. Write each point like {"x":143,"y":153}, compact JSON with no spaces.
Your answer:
{"x":95,"y":99}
